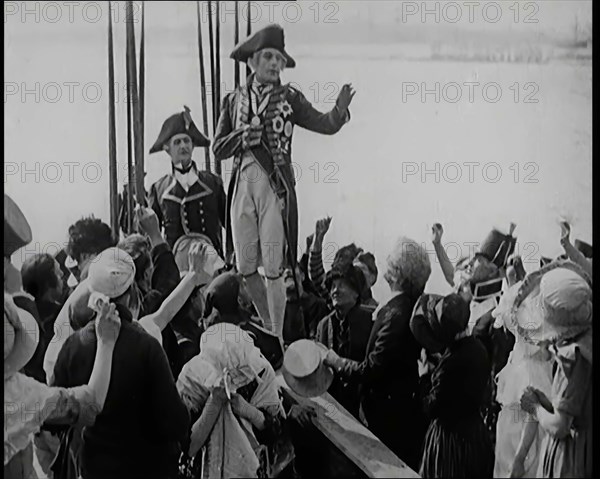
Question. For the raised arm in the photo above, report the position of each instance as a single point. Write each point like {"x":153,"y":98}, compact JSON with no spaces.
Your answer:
{"x":307,"y":116}
{"x":573,"y":253}
{"x":83,"y":403}
{"x":195,"y":277}
{"x":436,"y":238}
{"x":316,"y":272}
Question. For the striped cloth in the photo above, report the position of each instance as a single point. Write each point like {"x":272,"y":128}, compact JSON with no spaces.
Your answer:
{"x":462,"y":449}
{"x":316,"y":271}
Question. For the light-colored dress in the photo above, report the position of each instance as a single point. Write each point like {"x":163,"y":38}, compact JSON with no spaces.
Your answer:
{"x":525,"y":367}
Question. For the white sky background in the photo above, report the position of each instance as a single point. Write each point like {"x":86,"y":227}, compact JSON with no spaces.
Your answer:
{"x":52,"y":46}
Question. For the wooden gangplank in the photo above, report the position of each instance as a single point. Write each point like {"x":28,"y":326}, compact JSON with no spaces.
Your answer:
{"x":353,"y":439}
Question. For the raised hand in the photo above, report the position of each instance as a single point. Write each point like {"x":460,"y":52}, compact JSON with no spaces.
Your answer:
{"x":436,"y":233}
{"x":198,"y":259}
{"x":108,"y":323}
{"x":146,"y":220}
{"x":322,"y":227}
{"x":345,"y":97}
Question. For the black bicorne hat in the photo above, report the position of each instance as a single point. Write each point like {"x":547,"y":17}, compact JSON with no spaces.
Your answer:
{"x":176,"y":125}
{"x":271,"y":36}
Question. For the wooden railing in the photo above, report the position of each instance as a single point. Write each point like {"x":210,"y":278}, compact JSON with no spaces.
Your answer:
{"x":353,"y":439}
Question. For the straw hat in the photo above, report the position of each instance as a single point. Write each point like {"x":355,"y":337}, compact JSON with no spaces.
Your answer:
{"x":304,"y":370}
{"x":181,"y":249}
{"x":112,"y":272}
{"x":21,"y":335}
{"x":436,"y":320}
{"x":553,"y":303}
{"x":17,"y":232}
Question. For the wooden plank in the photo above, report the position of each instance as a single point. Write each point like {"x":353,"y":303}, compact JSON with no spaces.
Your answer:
{"x":359,"y":444}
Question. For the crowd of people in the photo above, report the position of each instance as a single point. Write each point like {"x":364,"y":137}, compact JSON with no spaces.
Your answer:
{"x":154,"y":351}
{"x":454,"y":389}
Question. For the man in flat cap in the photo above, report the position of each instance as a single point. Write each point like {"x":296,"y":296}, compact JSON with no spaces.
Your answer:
{"x":187,"y":200}
{"x":255,"y":127}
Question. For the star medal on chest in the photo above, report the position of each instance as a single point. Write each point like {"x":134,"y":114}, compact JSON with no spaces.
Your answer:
{"x":255,"y":121}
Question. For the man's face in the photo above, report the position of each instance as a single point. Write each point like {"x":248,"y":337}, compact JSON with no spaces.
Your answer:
{"x":268,"y":65}
{"x":343,"y":296}
{"x":180,"y":149}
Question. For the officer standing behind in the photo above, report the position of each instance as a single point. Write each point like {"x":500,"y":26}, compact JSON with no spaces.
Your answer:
{"x":187,"y":200}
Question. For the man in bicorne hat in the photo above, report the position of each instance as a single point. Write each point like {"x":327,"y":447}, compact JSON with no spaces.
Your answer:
{"x":187,"y":200}
{"x":255,"y":127}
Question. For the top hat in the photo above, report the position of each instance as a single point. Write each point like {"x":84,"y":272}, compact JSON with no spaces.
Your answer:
{"x":584,"y":248}
{"x":177,"y":124}
{"x":497,"y":247}
{"x":436,"y":320}
{"x":271,"y":36}
{"x":304,"y":370}
{"x":17,"y":232}
{"x":553,"y":303}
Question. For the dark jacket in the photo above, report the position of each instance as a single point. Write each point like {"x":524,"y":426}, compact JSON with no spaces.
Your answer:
{"x":276,"y":147}
{"x":459,"y":382}
{"x":201,"y":209}
{"x":329,"y":333}
{"x":389,"y":380}
{"x":137,"y":434}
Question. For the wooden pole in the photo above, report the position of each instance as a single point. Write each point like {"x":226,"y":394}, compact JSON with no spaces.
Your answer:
{"x":212,"y":65}
{"x":236,"y":40}
{"x":138,"y":188}
{"x":248,"y":33}
{"x":112,"y":134}
{"x":203,"y":87}
{"x":128,"y":190}
{"x":217,"y":97}
{"x":141,"y":167}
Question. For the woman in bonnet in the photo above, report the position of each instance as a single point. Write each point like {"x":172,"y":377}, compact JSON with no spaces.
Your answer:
{"x":518,"y":436}
{"x":232,"y":394}
{"x":563,"y":295}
